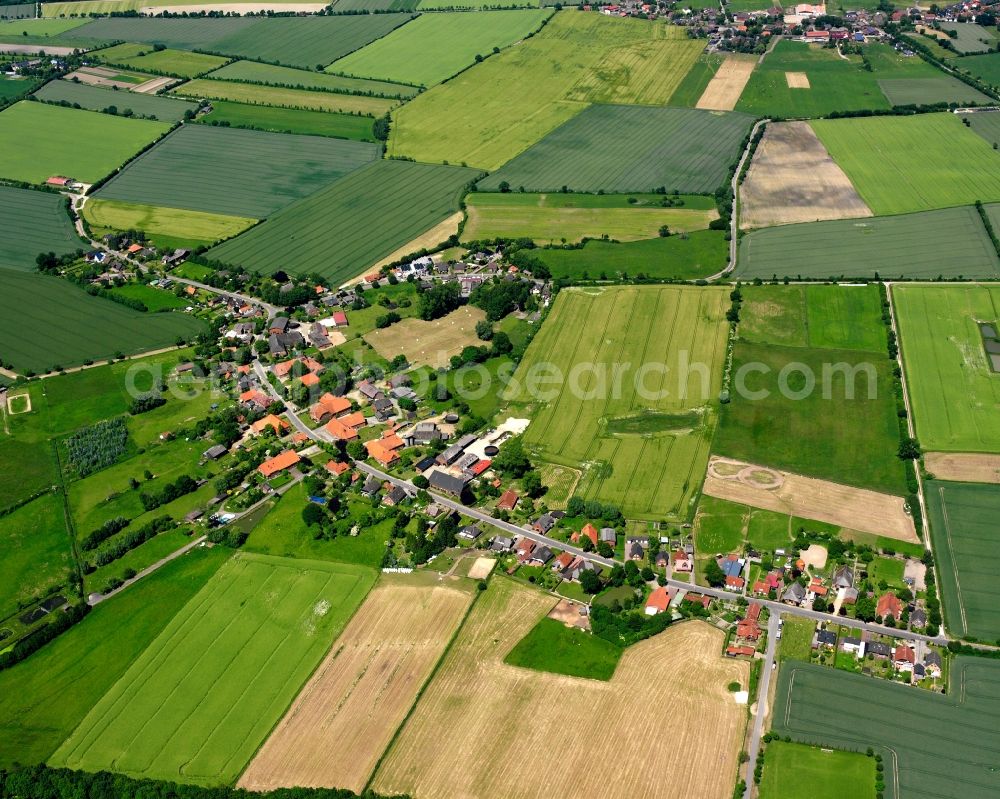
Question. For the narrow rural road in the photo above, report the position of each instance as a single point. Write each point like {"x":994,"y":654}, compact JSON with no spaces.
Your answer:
{"x":763,"y":685}
{"x":97,"y":599}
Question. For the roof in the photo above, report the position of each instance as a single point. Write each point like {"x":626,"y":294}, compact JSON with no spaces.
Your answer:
{"x":904,"y":654}
{"x":481,"y":467}
{"x":354,"y":420}
{"x":381,"y":453}
{"x":336,"y":468}
{"x":269,"y":421}
{"x":889,"y":605}
{"x":329,"y":405}
{"x":310,"y":380}
{"x":564,"y":561}
{"x":340,"y":431}
{"x":448,"y":483}
{"x":590,"y":532}
{"x":659,"y":599}
{"x":279,"y":463}
{"x":826,"y":637}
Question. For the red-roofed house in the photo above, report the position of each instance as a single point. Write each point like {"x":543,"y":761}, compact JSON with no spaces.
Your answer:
{"x":481,"y":467}
{"x":340,"y":431}
{"x":354,"y":420}
{"x":283,"y":369}
{"x":391,"y":441}
{"x":658,"y":601}
{"x":339,"y":319}
{"x":336,"y":468}
{"x":903,"y":658}
{"x":255,"y":397}
{"x":376,"y":450}
{"x":681,"y":561}
{"x":271,"y":422}
{"x":310,"y":380}
{"x":740,"y":651}
{"x":889,"y":605}
{"x":563,"y":561}
{"x":508,"y":501}
{"x":328,"y":405}
{"x":279,"y":463}
{"x":588,"y":531}
{"x":735,"y":583}
{"x":748,"y":629}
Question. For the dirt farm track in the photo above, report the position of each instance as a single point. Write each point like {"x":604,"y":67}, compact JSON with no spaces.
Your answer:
{"x":486,"y":729}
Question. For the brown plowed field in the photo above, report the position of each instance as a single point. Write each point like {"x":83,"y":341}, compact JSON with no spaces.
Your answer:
{"x":664,"y":726}
{"x":792,"y":178}
{"x":964,"y":467}
{"x":346,"y":715}
{"x":727,"y":84}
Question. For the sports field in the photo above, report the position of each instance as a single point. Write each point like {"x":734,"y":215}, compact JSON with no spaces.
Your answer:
{"x":649,"y":474}
{"x":164,"y":62}
{"x":235,"y":172}
{"x":332,"y":229}
{"x":950,"y":243}
{"x":487,"y":713}
{"x":685,"y":257}
{"x":68,"y":142}
{"x":794,"y":771}
{"x":829,"y":707}
{"x":34,"y":222}
{"x":814,"y":432}
{"x":43,"y":699}
{"x":95,"y":98}
{"x":252,"y":635}
{"x":294,"y":41}
{"x":953,"y":391}
{"x":554,"y":218}
{"x":163,"y":224}
{"x":483,"y":116}
{"x":279,"y":97}
{"x":406,"y":56}
{"x":89,"y":328}
{"x":346,"y":715}
{"x":255,"y":72}
{"x":961,"y":517}
{"x":682,"y":149}
{"x":834,"y":84}
{"x":289,"y":120}
{"x":429,"y":343}
{"x":924,"y":161}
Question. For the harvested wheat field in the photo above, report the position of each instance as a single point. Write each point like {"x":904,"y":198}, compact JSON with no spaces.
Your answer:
{"x":809,"y":498}
{"x":664,"y":726}
{"x":792,"y":178}
{"x":963,"y":467}
{"x":727,"y":84}
{"x":481,"y":568}
{"x":429,"y":343}
{"x":425,"y":241}
{"x":339,"y":725}
{"x":797,"y":80}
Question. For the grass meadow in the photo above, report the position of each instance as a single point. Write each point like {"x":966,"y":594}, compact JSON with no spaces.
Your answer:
{"x":43,"y":699}
{"x":924,"y":161}
{"x":484,"y":117}
{"x":405,"y":57}
{"x":269,"y":74}
{"x":34,"y":222}
{"x":971,"y":38}
{"x":235,"y":172}
{"x":930,"y":90}
{"x":290,"y":120}
{"x":68,"y":142}
{"x":821,"y":706}
{"x":817,"y":434}
{"x":96,"y":98}
{"x":984,"y":67}
{"x":632,"y":326}
{"x":948,"y":243}
{"x":165,"y":227}
{"x":953,"y":391}
{"x":682,"y":149}
{"x":987,"y":126}
{"x":90,"y":328}
{"x":253,"y":634}
{"x":161,"y":62}
{"x":684,"y":257}
{"x":279,"y":97}
{"x":961,"y":517}
{"x":332,"y":228}
{"x":795,"y":771}
{"x":552,"y":646}
{"x":551,"y":218}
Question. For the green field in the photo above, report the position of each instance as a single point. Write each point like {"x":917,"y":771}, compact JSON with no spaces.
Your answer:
{"x":11,"y":88}
{"x":984,"y":67}
{"x":950,"y":243}
{"x":971,"y":38}
{"x":269,"y":74}
{"x":164,"y":226}
{"x":18,"y":11}
{"x":953,"y":391}
{"x":654,"y":473}
{"x":796,"y":639}
{"x":64,"y":141}
{"x":682,"y":149}
{"x":404,"y":55}
{"x":289,"y":120}
{"x":925,"y":161}
{"x":817,"y":434}
{"x":827,"y":707}
{"x":835,"y":84}
{"x":153,"y":298}
{"x":236,"y":172}
{"x":960,"y":516}
{"x":684,"y":257}
{"x":253,"y":635}
{"x":332,"y":229}
{"x":162,"y":62}
{"x":43,"y":699}
{"x":34,"y":222}
{"x":794,"y":771}
{"x":83,"y":8}
{"x":698,"y":77}
{"x":927,"y":91}
{"x":484,"y":117}
{"x":37,"y":555}
{"x":278,"y":97}
{"x":719,"y":527}
{"x":551,"y":218}
{"x":282,"y":532}
{"x":554,"y":647}
{"x":293,"y":41}
{"x":987,"y":125}
{"x":95,"y":98}
{"x":89,"y":327}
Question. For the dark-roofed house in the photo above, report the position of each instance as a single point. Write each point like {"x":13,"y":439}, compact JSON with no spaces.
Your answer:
{"x":843,"y":577}
{"x":635,"y":550}
{"x":394,"y":497}
{"x":540,"y":555}
{"x":608,"y":535}
{"x":794,"y":594}
{"x":424,"y":464}
{"x":826,"y":638}
{"x":879,"y":649}
{"x":214,"y":453}
{"x":932,"y":664}
{"x":470,"y":532}
{"x":918,"y":619}
{"x":447,"y":483}
{"x":371,"y":487}
{"x":501,"y":543}
{"x":544,"y":523}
